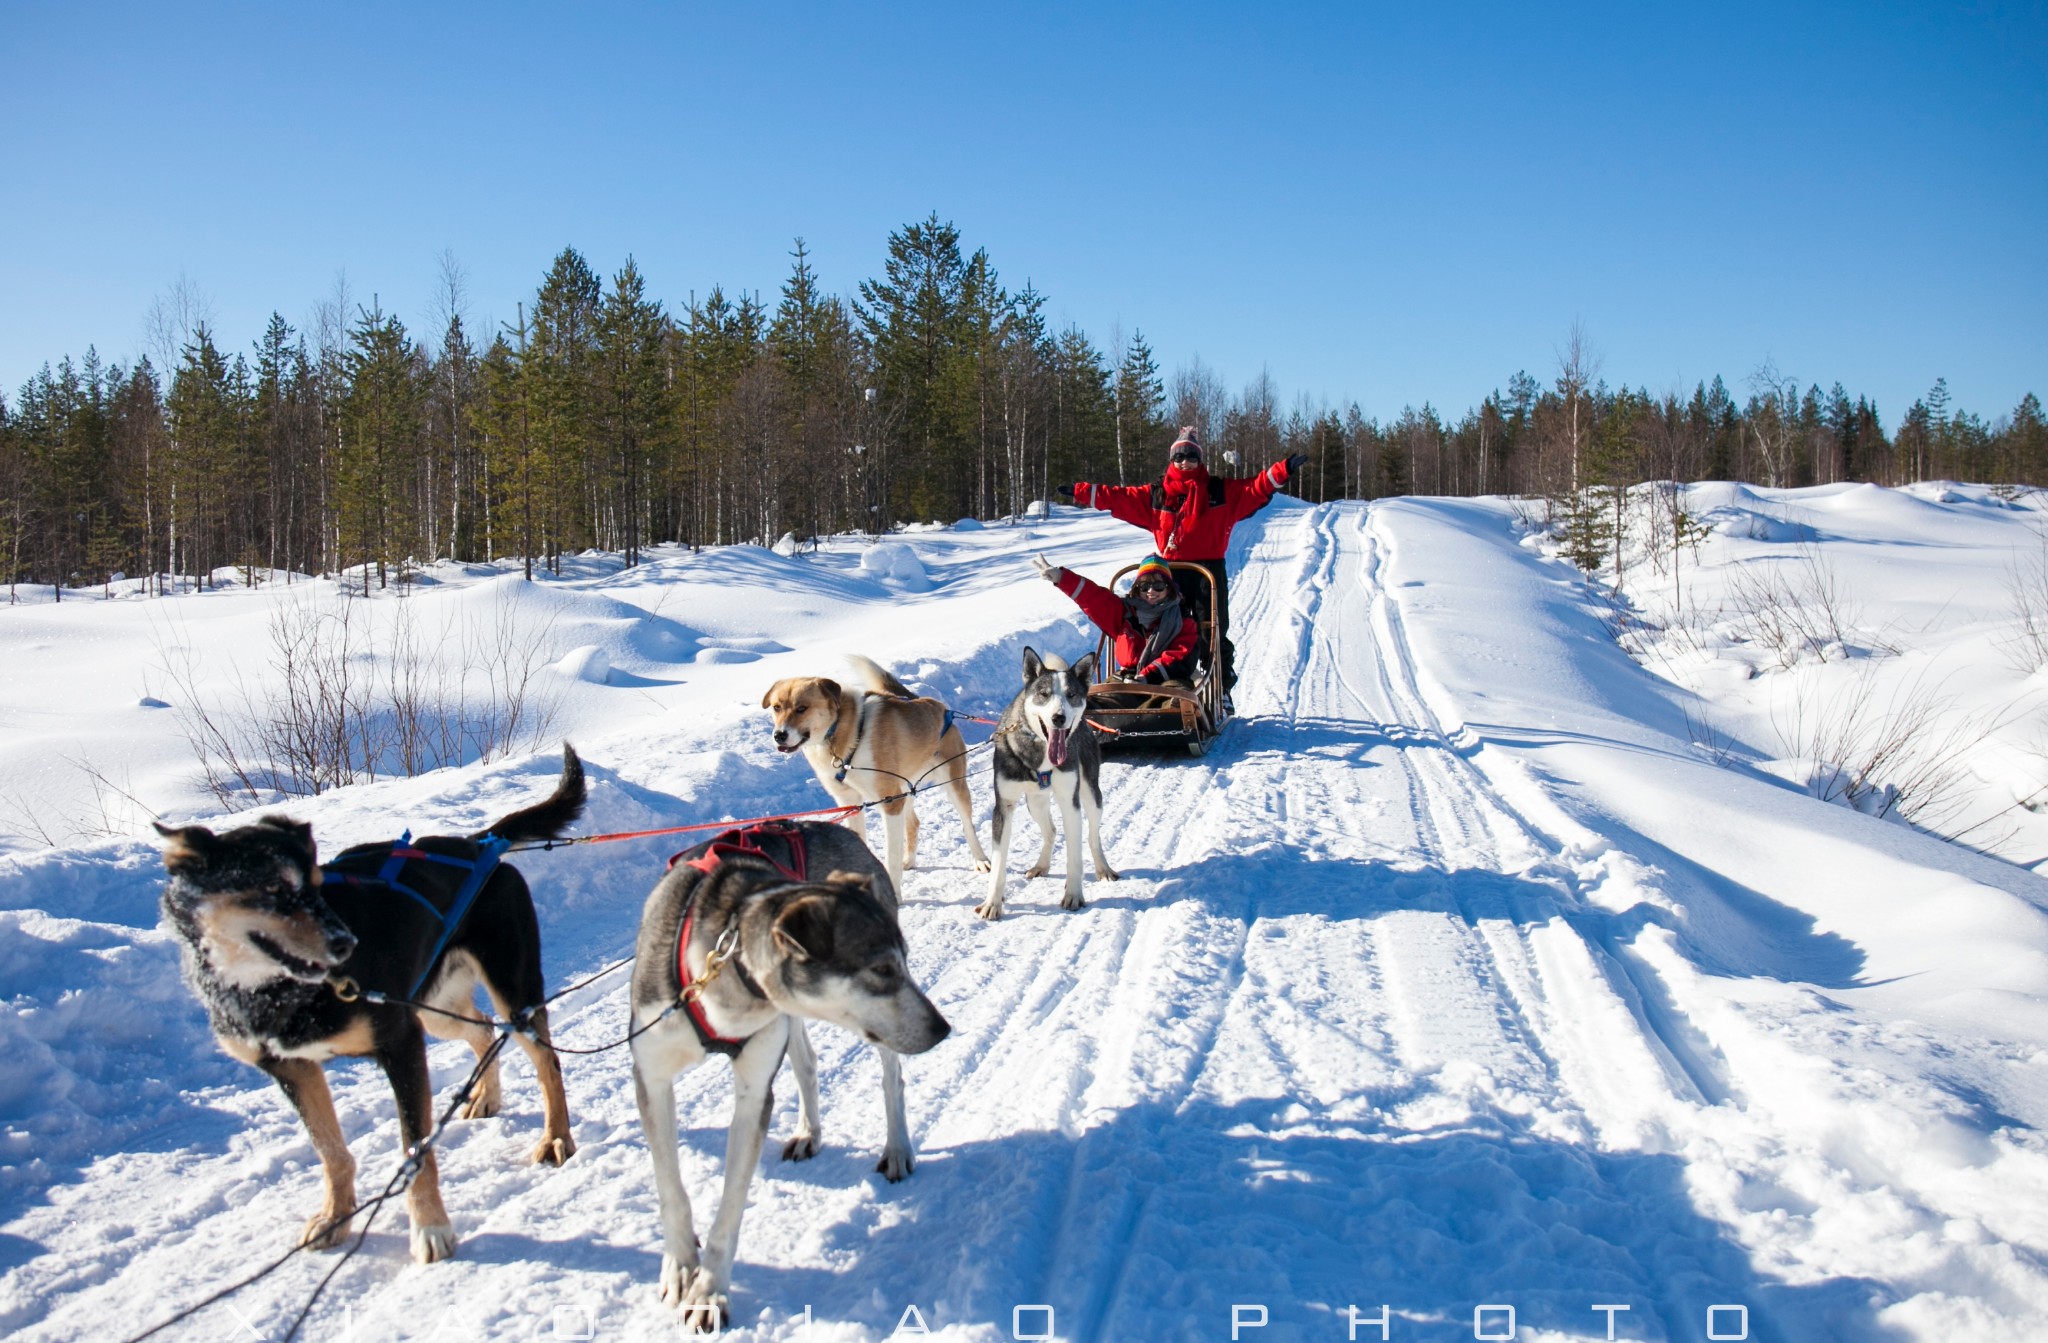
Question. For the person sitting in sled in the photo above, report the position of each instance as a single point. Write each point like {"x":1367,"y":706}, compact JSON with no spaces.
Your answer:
{"x":1190,"y":514}
{"x":1151,"y":639}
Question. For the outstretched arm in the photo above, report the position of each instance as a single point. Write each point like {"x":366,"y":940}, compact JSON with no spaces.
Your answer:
{"x":1249,"y":496}
{"x":1128,"y":503}
{"x":1098,"y":603}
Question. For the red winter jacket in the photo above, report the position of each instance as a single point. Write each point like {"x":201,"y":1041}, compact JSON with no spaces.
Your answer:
{"x":1108,"y":612}
{"x":1189,"y":512}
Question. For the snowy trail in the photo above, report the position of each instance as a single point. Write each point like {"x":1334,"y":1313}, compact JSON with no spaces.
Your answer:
{"x":1373,"y":1018}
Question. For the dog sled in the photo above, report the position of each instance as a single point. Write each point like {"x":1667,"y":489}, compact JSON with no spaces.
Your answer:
{"x":1139,"y":716}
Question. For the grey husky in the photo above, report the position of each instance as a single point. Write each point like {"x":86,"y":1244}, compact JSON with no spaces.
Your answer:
{"x":738,"y":944}
{"x":1046,"y":752}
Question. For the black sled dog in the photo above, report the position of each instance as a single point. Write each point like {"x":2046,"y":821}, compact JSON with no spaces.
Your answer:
{"x":1047,"y":753}
{"x":739,"y":943}
{"x":277,"y":945}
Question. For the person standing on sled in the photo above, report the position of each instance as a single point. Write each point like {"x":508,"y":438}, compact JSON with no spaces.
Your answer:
{"x":1190,"y":514}
{"x":1151,"y":639}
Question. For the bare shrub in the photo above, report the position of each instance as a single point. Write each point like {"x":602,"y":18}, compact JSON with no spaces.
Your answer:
{"x":110,"y":811}
{"x":2026,"y":586}
{"x":338,"y":704}
{"x":1900,"y":753}
{"x":1797,"y":607}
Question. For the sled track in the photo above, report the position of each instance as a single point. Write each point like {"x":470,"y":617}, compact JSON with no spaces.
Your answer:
{"x":1352,"y":990}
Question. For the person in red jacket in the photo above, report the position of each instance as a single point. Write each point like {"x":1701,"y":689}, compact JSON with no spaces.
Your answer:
{"x":1190,"y":514}
{"x":1151,"y":639}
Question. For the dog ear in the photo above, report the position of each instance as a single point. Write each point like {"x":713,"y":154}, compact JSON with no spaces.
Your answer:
{"x":769,"y":698}
{"x":185,"y":847}
{"x":863,"y":882}
{"x":804,"y":930}
{"x":1085,"y":668}
{"x":298,"y":830}
{"x":830,"y":689}
{"x":1032,"y":666}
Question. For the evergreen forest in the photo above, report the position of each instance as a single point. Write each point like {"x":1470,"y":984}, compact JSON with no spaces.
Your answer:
{"x":601,"y":417}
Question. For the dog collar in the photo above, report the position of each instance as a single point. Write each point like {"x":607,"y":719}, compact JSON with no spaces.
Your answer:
{"x":860,"y":723}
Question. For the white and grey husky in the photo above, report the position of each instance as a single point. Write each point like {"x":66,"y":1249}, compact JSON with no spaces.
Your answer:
{"x":1046,"y":752}
{"x":739,"y":944}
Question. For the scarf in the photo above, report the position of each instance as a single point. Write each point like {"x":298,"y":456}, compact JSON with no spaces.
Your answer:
{"x":1186,"y":489}
{"x":1161,"y":623}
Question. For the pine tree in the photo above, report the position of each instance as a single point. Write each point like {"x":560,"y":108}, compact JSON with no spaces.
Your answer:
{"x":503,"y":422}
{"x":1026,"y":364}
{"x":381,"y":421}
{"x":1140,"y":401}
{"x":203,"y":414}
{"x":911,"y":318}
{"x":812,"y":336}
{"x":560,"y":363}
{"x":2028,"y":439}
{"x":635,"y":415}
{"x":1084,"y":424}
{"x":456,"y":462}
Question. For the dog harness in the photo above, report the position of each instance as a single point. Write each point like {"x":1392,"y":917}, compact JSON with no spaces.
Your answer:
{"x":478,"y":869}
{"x":779,"y":846}
{"x":860,"y":729}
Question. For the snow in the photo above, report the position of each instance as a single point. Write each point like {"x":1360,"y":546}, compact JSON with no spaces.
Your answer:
{"x":1480,"y":964}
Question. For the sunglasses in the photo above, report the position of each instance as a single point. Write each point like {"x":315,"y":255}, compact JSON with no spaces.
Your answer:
{"x":1153,"y":585}
{"x":1186,"y":457}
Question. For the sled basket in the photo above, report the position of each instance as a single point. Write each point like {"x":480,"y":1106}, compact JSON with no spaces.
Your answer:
{"x":1138,"y":716}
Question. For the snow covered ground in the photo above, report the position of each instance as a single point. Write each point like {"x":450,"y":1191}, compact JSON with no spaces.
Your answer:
{"x":1478,"y":968}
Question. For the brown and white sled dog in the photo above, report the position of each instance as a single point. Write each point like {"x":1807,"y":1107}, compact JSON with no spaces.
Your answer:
{"x":875,"y":740}
{"x":272,"y":941}
{"x":1046,"y":753}
{"x":737,"y":947}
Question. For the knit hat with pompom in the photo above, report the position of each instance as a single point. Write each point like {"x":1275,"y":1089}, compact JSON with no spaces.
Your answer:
{"x":1149,"y":568}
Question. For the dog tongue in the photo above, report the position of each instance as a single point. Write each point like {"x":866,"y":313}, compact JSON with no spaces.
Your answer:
{"x":1056,"y":747}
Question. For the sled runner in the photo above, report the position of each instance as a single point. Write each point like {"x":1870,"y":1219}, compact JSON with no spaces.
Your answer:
{"x":1141,"y":716}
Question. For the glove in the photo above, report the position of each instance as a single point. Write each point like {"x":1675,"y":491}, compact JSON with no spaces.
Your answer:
{"x":1154,"y":676}
{"x":1296,"y":462}
{"x":1064,"y":491}
{"x":1047,"y":570}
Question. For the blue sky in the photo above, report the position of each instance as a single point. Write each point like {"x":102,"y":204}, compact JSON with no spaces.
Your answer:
{"x":1381,"y":203}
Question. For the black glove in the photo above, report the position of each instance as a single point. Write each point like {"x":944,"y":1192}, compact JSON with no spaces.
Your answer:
{"x":1296,"y":462}
{"x":1155,"y":677}
{"x":1064,"y":491}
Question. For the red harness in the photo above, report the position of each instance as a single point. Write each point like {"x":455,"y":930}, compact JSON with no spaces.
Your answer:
{"x":793,"y":862}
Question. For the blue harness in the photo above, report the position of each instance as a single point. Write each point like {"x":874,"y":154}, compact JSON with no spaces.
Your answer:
{"x":489,"y":850}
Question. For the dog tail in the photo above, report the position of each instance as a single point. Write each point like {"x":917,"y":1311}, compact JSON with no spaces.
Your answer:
{"x":875,"y":681}
{"x":548,"y":819}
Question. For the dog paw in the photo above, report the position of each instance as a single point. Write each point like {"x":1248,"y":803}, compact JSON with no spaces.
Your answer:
{"x":983,"y":865}
{"x":802,"y":1147}
{"x":1072,"y":900}
{"x":694,"y":1292}
{"x":327,"y":1231}
{"x":554,"y":1151}
{"x":990,"y":910}
{"x":675,"y":1275}
{"x":1037,"y":870}
{"x":482,"y":1104}
{"x":895,"y":1164}
{"x":1108,"y":874}
{"x":431,"y":1244}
